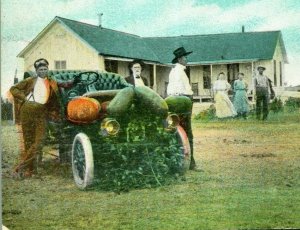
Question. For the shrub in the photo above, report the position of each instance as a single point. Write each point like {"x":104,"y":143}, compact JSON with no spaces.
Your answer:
{"x":292,"y":104}
{"x":276,"y":105}
{"x":207,"y":114}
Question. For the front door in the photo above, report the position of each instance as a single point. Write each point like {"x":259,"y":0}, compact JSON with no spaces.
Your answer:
{"x":232,"y":71}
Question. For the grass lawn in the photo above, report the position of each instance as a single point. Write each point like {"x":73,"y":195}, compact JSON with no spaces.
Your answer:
{"x":250,"y":180}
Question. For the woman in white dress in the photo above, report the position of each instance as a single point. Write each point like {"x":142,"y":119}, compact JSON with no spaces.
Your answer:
{"x":224,"y":107}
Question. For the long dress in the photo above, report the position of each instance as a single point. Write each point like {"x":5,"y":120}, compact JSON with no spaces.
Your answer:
{"x":240,"y":99}
{"x":224,"y":107}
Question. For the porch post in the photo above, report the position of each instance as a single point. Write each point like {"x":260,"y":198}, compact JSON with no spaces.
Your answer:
{"x":211,"y":83}
{"x":253,"y":75}
{"x":154,"y":78}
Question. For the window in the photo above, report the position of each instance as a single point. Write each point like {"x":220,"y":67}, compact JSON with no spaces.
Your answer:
{"x":206,"y":77}
{"x":111,"y":66}
{"x":195,"y":89}
{"x":60,"y":64}
{"x":275,"y":77}
{"x":280,"y":73}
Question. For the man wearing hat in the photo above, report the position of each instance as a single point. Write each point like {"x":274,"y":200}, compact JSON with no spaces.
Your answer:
{"x":179,"y":86}
{"x":35,"y":98}
{"x":135,"y":68}
{"x":261,"y":86}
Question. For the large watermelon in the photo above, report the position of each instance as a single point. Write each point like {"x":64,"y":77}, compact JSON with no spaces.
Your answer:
{"x":122,"y":102}
{"x":179,"y":104}
{"x":150,"y":102}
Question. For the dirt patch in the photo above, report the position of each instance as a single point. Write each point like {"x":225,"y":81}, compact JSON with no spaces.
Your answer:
{"x":258,"y":155}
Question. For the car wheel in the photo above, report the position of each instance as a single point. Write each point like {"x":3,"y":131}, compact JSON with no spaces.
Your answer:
{"x":185,"y":147}
{"x":82,"y":161}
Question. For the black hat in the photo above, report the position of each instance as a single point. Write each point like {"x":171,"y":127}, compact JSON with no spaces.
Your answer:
{"x":180,"y":52}
{"x":40,"y":62}
{"x":261,"y":67}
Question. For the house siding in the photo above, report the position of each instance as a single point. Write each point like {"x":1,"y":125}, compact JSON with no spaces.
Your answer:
{"x":278,"y":57}
{"x":66,"y":47}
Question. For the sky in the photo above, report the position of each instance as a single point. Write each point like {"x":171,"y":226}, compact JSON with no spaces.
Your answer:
{"x":22,"y":20}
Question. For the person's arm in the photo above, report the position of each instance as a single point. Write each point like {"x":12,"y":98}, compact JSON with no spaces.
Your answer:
{"x":65,"y":84}
{"x":228,"y":86}
{"x":18,"y":90}
{"x":145,"y":81}
{"x":234,"y":85}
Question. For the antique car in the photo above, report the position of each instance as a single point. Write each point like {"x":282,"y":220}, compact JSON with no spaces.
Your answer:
{"x":107,"y":121}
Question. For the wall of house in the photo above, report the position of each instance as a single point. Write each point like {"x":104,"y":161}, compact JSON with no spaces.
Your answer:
{"x":123,"y":68}
{"x":162,"y":76}
{"x":60,"y":44}
{"x":278,"y":57}
{"x":196,"y":76}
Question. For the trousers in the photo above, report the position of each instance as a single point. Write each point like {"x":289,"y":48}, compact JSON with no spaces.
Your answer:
{"x":33,"y":124}
{"x":262,"y":100}
{"x":187,"y":126}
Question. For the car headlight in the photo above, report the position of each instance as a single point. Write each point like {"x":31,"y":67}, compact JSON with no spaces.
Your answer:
{"x":172,"y":121}
{"x":110,"y":126}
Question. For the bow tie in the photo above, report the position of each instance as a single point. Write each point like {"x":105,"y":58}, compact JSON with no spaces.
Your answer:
{"x":137,"y":77}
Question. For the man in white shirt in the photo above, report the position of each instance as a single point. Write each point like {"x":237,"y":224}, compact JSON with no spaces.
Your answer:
{"x":135,"y":68}
{"x":178,"y":80}
{"x":261,"y":85}
{"x":179,"y":86}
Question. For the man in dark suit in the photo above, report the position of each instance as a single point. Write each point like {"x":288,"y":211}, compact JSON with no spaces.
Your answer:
{"x":35,"y":98}
{"x":135,"y":68}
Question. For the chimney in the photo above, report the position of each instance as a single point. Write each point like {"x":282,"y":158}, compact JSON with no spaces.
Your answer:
{"x":100,"y":20}
{"x":243,"y":29}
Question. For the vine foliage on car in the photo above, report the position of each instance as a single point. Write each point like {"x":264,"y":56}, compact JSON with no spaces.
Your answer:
{"x":125,"y":166}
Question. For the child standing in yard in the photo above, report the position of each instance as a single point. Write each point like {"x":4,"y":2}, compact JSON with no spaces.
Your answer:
{"x":240,"y":100}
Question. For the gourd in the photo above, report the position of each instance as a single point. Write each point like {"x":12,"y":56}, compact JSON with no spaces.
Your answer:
{"x":83,"y":110}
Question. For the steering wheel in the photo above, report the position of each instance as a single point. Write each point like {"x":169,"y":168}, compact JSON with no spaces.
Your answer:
{"x":88,"y":78}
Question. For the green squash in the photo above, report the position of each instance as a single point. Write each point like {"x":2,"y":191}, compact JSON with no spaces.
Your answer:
{"x":149,"y":102}
{"x":179,"y":104}
{"x":122,"y":102}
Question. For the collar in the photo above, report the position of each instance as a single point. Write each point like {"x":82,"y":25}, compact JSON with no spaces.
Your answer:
{"x":46,"y":78}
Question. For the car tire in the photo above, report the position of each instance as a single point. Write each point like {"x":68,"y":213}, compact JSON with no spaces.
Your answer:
{"x":186,"y":149}
{"x":82,"y":161}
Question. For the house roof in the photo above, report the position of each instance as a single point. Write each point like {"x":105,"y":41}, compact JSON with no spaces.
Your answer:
{"x":212,"y":48}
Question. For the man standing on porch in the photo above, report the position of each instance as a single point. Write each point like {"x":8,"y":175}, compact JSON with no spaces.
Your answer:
{"x":179,"y":86}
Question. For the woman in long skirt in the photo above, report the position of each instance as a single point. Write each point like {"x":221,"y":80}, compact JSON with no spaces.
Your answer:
{"x":240,"y":99}
{"x":224,"y":107}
